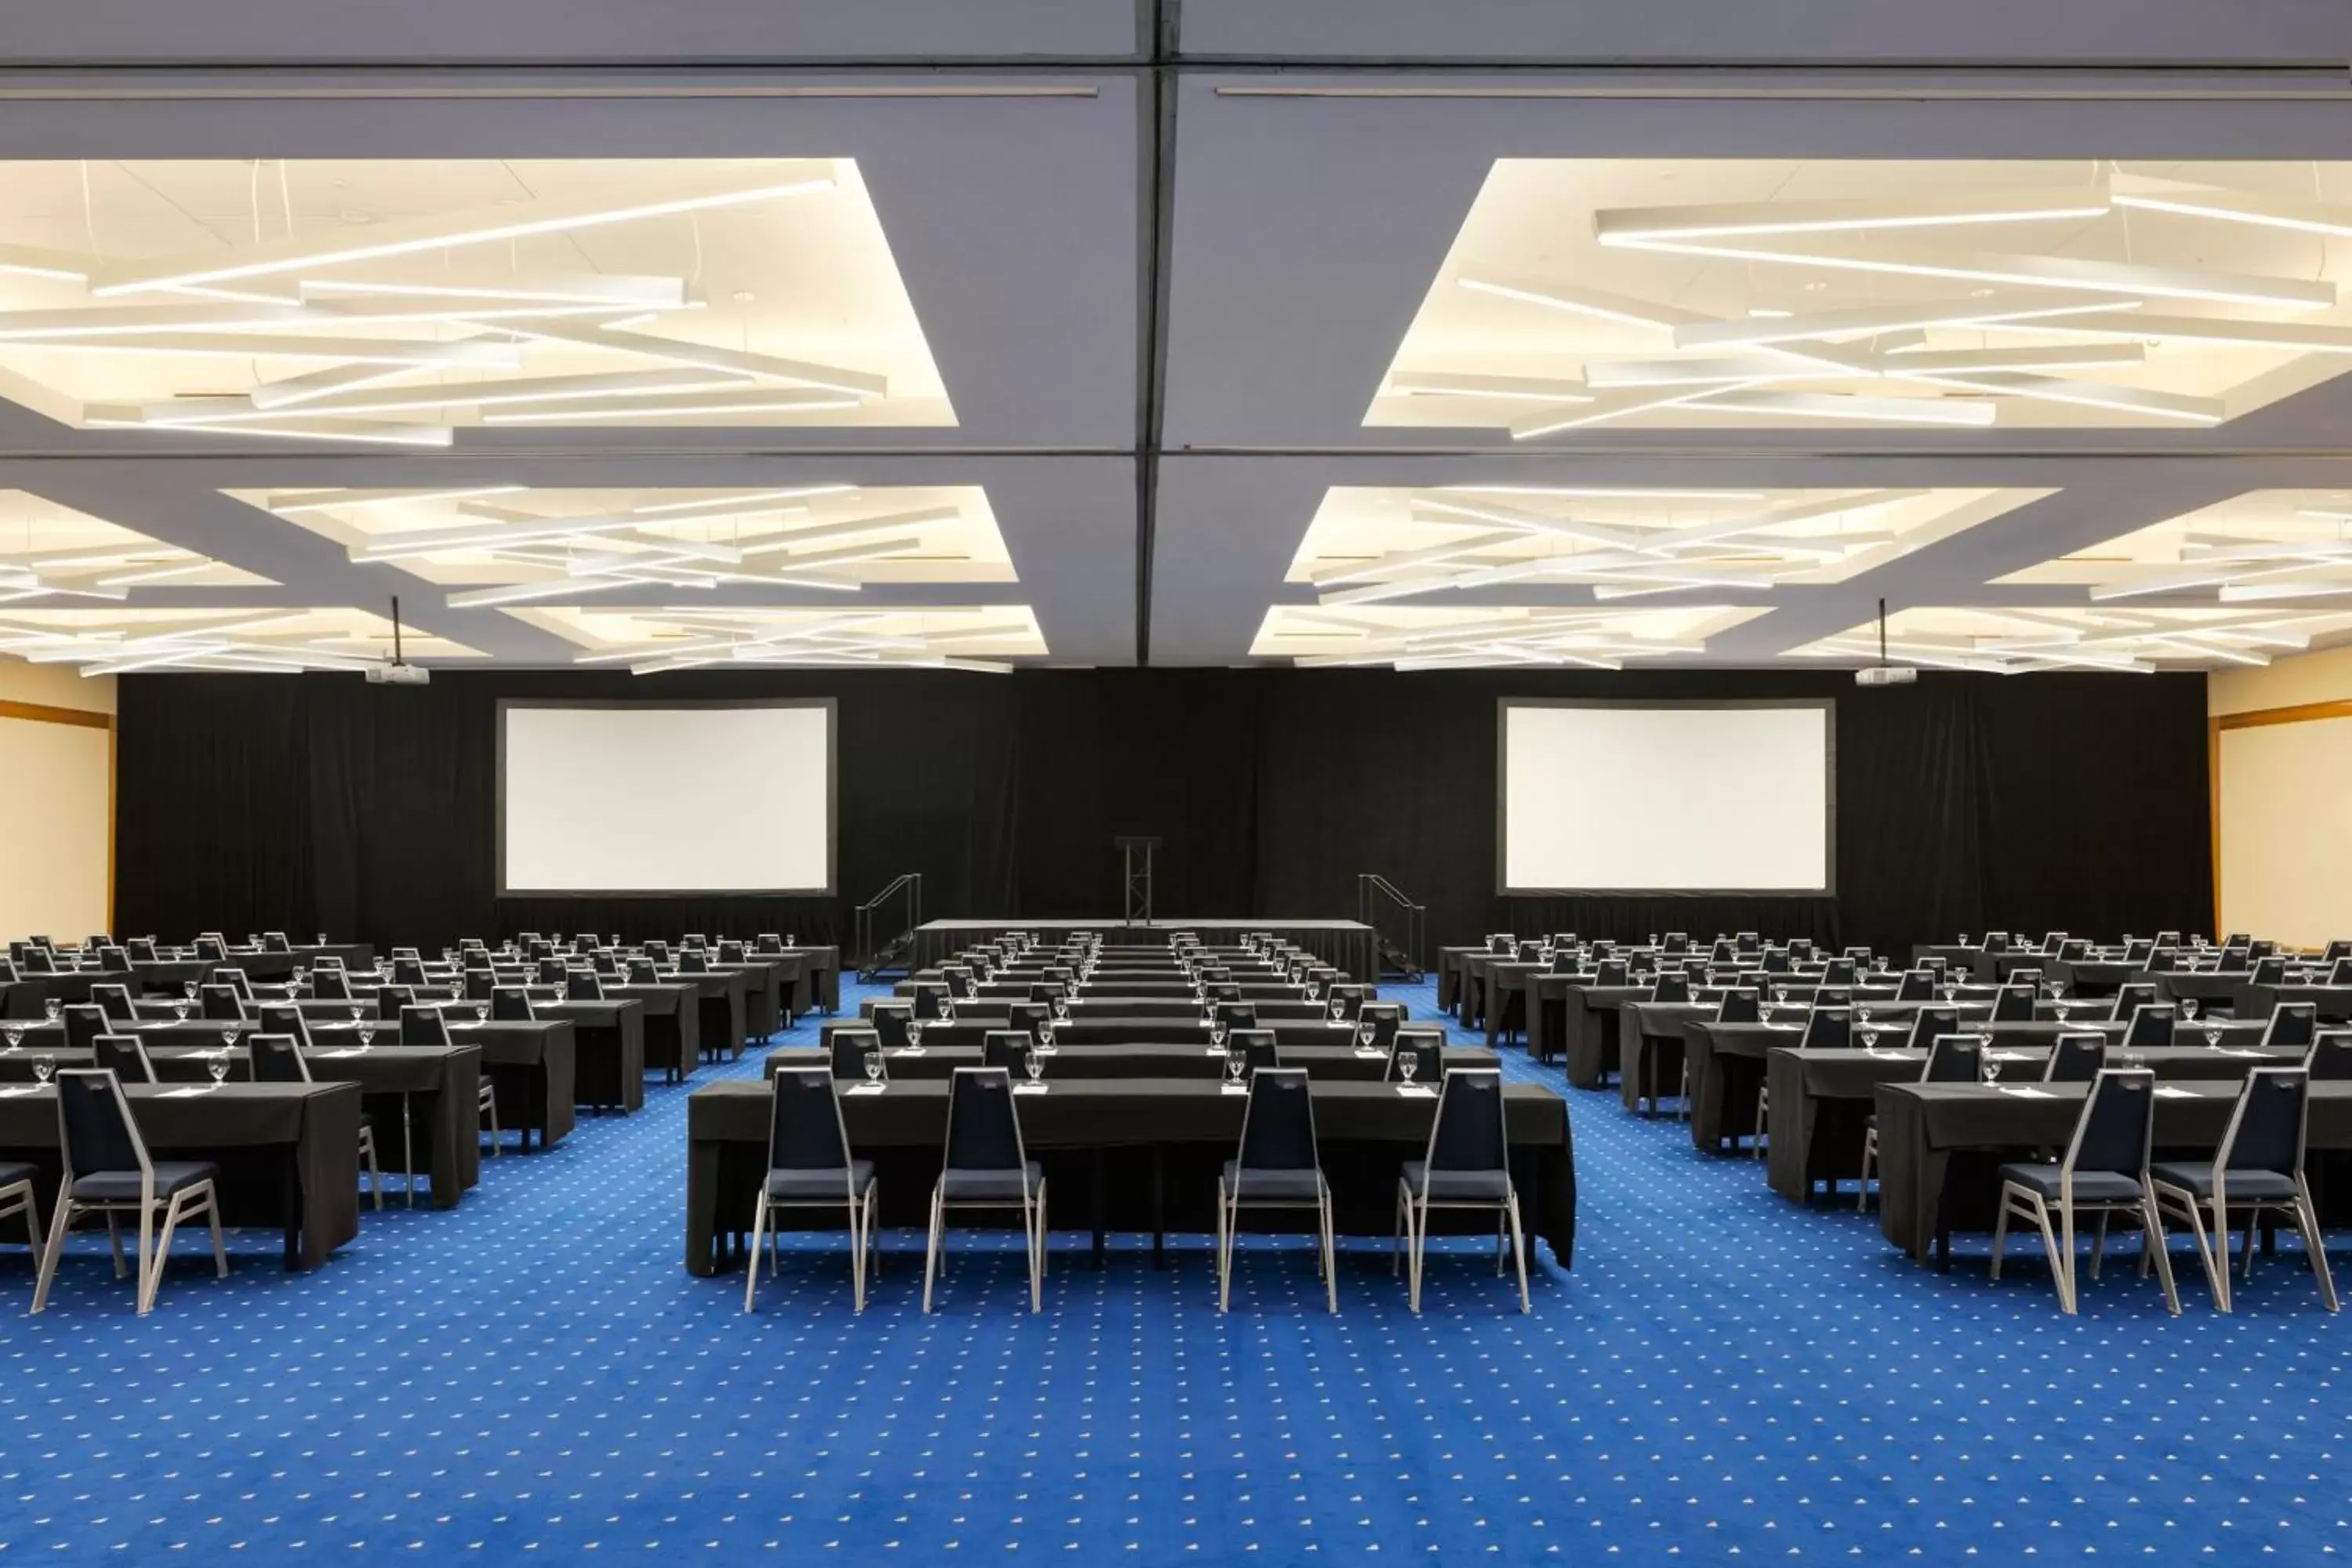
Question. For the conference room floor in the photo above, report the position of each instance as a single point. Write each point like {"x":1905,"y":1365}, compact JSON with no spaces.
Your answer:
{"x":1725,"y":1376}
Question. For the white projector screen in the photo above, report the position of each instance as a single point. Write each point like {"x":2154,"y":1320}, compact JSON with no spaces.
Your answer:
{"x":732,"y":797}
{"x":1667,"y":797}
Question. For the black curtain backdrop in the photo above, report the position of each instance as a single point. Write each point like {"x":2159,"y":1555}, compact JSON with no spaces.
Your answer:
{"x":2076,"y":802}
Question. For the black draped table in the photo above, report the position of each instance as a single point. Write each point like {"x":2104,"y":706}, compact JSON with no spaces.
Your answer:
{"x":289,"y":1153}
{"x":1821,"y":1098}
{"x":1191,"y":1033}
{"x":1167,"y":1059}
{"x":1350,"y":944}
{"x":1938,"y":1143}
{"x":1133,"y":1155}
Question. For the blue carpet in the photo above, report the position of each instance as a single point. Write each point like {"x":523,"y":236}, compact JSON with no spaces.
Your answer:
{"x":1724,"y":1377}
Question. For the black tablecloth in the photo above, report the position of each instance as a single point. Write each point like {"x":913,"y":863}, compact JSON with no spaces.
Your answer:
{"x":1125,"y":1154}
{"x":289,"y":1153}
{"x":1139,"y":1031}
{"x":1335,"y":1063}
{"x":1922,"y":1126}
{"x":1821,"y":1099}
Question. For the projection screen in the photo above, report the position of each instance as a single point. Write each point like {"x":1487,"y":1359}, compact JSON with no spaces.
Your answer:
{"x":686,"y":798}
{"x":1667,"y":797}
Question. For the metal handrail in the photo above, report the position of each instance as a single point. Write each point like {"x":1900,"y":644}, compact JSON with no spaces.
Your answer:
{"x":869,"y":950}
{"x":1375,"y":895}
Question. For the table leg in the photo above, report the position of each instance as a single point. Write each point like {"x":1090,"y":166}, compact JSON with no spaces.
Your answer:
{"x":290,"y":1200}
{"x":1159,"y":1207}
{"x":408,"y":1150}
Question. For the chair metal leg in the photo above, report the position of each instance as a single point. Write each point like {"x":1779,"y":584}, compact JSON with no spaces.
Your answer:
{"x":1520,"y":1252}
{"x":2221,"y":1272}
{"x":1416,"y":1222}
{"x":2152,"y":1246}
{"x":375,"y":1176}
{"x":751,"y":1268}
{"x":2066,"y":1234}
{"x":59,"y":1223}
{"x":114,"y":1241}
{"x":146,"y":1241}
{"x":1498,"y":1243}
{"x":1869,"y":1158}
{"x":856,"y":1255}
{"x":1331,"y":1268}
{"x":931,"y":1251}
{"x":1396,"y":1240}
{"x":2000,"y":1230}
{"x":1035,"y":1218}
{"x":2306,"y":1220}
{"x":1763,"y":1122}
{"x":2058,"y":1271}
{"x":2099,"y":1244}
{"x":1226,"y":1220}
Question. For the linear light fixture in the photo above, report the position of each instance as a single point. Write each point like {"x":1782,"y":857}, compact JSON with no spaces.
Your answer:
{"x":1599,"y":303}
{"x":337,"y":501}
{"x":1594,"y":492}
{"x":2260,"y":209}
{"x":1745,"y":370}
{"x":1630,"y":226}
{"x":472,"y":352}
{"x":757,"y":498}
{"x":1870,"y":320}
{"x":294,"y":390}
{"x":712,"y":356}
{"x":1360,"y":571}
{"x":2309,"y":336}
{"x":2087,"y":394}
{"x":1842,"y":405}
{"x":526,"y":389}
{"x":614,"y":290}
{"x":302,"y":253}
{"x":810,"y":402}
{"x":489,"y":536}
{"x":852,"y":528}
{"x":1517,"y":388}
{"x":2078,"y":356}
{"x":384,"y":433}
{"x":31,"y":261}
{"x":2032,"y":271}
{"x":1617,"y":405}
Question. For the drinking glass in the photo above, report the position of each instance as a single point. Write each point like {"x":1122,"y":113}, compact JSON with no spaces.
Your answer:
{"x":2188,"y":1008}
{"x":1406,"y":1062}
{"x":15,"y":1033}
{"x":946,"y":1010}
{"x":2058,"y":989}
{"x":43,"y":1066}
{"x":2134,"y":1060}
{"x":481,"y":1011}
{"x":218,"y":1068}
{"x":1364,"y":1034}
{"x":1312,"y":990}
{"x":367,"y":1035}
{"x":874,"y":1064}
{"x":1764,"y":1012}
{"x":188,"y":989}
{"x":1062,"y":1009}
{"x":51,"y":1009}
{"x":2212,"y":1034}
{"x":322,"y":939}
{"x":301,"y":974}
{"x":914,"y":1033}
{"x":1235,"y":1067}
{"x":356,"y":1013}
{"x":180,"y":1012}
{"x":1217,"y":1036}
{"x":228,"y":1039}
{"x":1991,"y":1069}
{"x":1338,"y":1010}
{"x":1035,"y":1063}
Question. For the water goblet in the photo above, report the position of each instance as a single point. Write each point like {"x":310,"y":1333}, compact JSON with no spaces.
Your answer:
{"x":2188,"y":1008}
{"x":1061,"y":1009}
{"x":1992,"y":1070}
{"x":356,"y":1013}
{"x":1338,"y":1010}
{"x":1235,"y":1066}
{"x":321,"y":938}
{"x":2134,"y":1060}
{"x":43,"y":1066}
{"x":1364,"y":1032}
{"x":367,"y":1035}
{"x":914,"y":1033}
{"x":15,"y":1033}
{"x":2212,"y":1033}
{"x":481,"y":1011}
{"x":228,"y":1039}
{"x":1312,"y":989}
{"x":1034,"y":1064}
{"x":188,"y":989}
{"x":180,"y":1012}
{"x":1407,"y":1061}
{"x":1217,"y":1036}
{"x":52,"y":1009}
{"x":218,"y":1068}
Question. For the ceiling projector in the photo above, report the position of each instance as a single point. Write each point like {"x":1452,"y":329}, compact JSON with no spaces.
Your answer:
{"x":1886,"y":675}
{"x":393,"y":673}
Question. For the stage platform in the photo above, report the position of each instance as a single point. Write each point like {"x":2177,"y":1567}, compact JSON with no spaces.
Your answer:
{"x":1348,"y":945}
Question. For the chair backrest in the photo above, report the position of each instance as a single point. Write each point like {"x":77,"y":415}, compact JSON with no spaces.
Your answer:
{"x":2075,"y":1058}
{"x":331,"y":985}
{"x":643,"y":972}
{"x":582,"y":985}
{"x":1610,"y":971}
{"x":2269,"y":972}
{"x":276,"y":1060}
{"x":1030,"y":1017}
{"x":2340,"y":972}
{"x":1470,"y":1133}
{"x":1827,"y":1028}
{"x":1256,"y":1047}
{"x":2138,"y":950}
{"x":984,"y":1132}
{"x":2151,"y":1024}
{"x":2117,"y":1120}
{"x":769,"y":942}
{"x":113,"y":1002}
{"x":391,"y":999}
{"x":1955,"y":1058}
{"x":219,"y":1003}
{"x":84,"y":1023}
{"x":959,"y":981}
{"x":889,"y":1020}
{"x":1838,"y":971}
{"x":730,"y":953}
{"x":845,"y":1048}
{"x":284,"y":1018}
{"x":510,"y":1005}
{"x":1237,"y":1014}
{"x":2134,"y":994}
{"x":1385,"y":1017}
{"x":805,"y":1131}
{"x":1670,"y":987}
{"x":2329,"y":1060}
{"x":658,"y":950}
{"x":1279,"y":1123}
{"x":929,"y":997}
{"x":1006,"y":1048}
{"x":423,"y":1026}
{"x":1740,"y":1006}
{"x":124,"y":1056}
{"x":2266,"y":1128}
{"x":1427,"y":1049}
{"x":141,"y":949}
{"x":95,"y":1131}
{"x":1777,"y":962}
{"x":2014,"y":1004}
{"x":211,"y":948}
{"x":1918,"y":986}
{"x":408,"y":971}
{"x":2232,"y":960}
{"x":1928,"y":1022}
{"x":2292,"y":1024}
{"x":480,"y":984}
{"x":693,"y":960}
{"x":1501,"y":943}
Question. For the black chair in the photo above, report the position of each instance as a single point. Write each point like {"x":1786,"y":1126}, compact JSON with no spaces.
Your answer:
{"x":1275,"y":1166}
{"x":218,"y":1004}
{"x":1256,"y":1047}
{"x":284,"y":1018}
{"x":929,"y":998}
{"x":2128,"y":997}
{"x":693,"y":960}
{"x":1466,"y":1166}
{"x":2075,"y":1058}
{"x":107,"y":1172}
{"x":985,"y":1167}
{"x":810,"y":1166}
{"x":1918,"y":986}
{"x":730,"y":953}
{"x":2013,"y":1005}
{"x":124,"y":1056}
{"x":2329,"y":1060}
{"x":1738,"y":1005}
{"x":210,"y":950}
{"x":1030,"y":1017}
{"x":847,"y":1049}
{"x":1501,"y":945}
{"x":959,"y":980}
{"x":1385,"y":1017}
{"x":2106,"y":1172}
{"x":2268,"y":972}
{"x":1951,"y":1059}
{"x":1610,"y":972}
{"x":769,"y":942}
{"x":113,"y":1002}
{"x":2151,"y":1025}
{"x":659,"y":951}
{"x":1670,"y":987}
{"x":1006,"y":1048}
{"x":510,"y":1005}
{"x":423,"y":1026}
{"x":1929,"y":1024}
{"x":479,"y":985}
{"x":890,"y":1020}
{"x":2258,"y":1169}
{"x":331,"y":985}
{"x":582,"y":985}
{"x":2340,"y":972}
{"x":549,"y":971}
{"x":84,"y":1023}
{"x":20,"y":1195}
{"x":141,"y":949}
{"x":1827,"y":1030}
{"x":1236,"y":1014}
{"x":408,"y":972}
{"x":277,"y":1058}
{"x":2292,"y":1024}
{"x":391,"y":999}
{"x":1425,"y":1048}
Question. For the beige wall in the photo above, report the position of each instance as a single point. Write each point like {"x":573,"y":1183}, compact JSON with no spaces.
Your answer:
{"x":59,"y":776}
{"x":2283,"y":798}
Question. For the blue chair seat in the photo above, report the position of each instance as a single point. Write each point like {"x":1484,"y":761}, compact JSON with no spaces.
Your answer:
{"x":2196,"y":1178}
{"x":2090,"y":1187}
{"x":13,"y":1171}
{"x":988,"y":1187}
{"x":172,"y":1176}
{"x":819,"y":1186}
{"x":1273,"y":1186}
{"x":1456,"y":1186}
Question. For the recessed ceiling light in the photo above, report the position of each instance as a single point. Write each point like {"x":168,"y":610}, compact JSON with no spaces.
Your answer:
{"x":743,"y":296}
